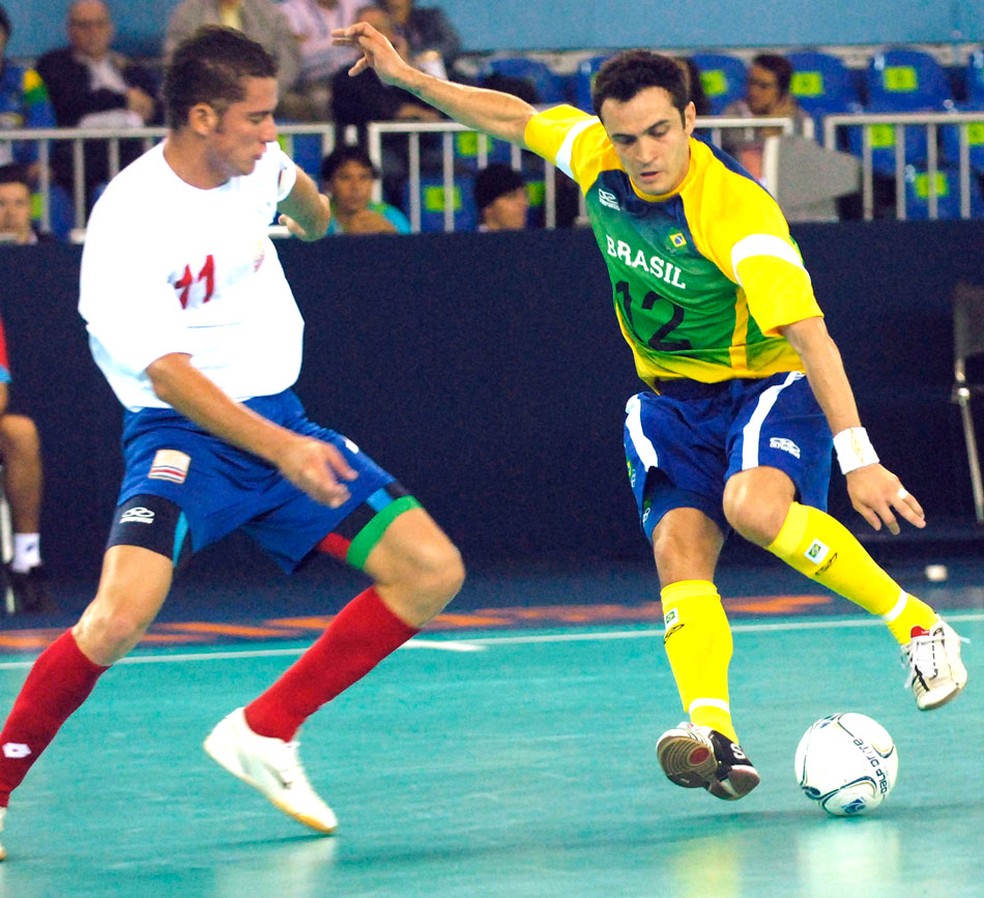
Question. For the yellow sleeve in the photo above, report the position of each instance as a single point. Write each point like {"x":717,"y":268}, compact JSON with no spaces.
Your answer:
{"x":552,"y":134}
{"x":743,"y":231}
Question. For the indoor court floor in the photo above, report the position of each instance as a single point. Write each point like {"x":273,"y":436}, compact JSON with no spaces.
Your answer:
{"x":507,"y":751}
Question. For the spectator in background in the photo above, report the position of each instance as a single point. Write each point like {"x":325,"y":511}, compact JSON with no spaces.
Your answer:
{"x":363,"y":99}
{"x":20,"y":453}
{"x":347,"y":176}
{"x":500,"y":195}
{"x":766,"y":94}
{"x":261,"y":20}
{"x":23,"y":104}
{"x":15,"y":208}
{"x":311,"y":22}
{"x":91,"y":86}
{"x":432,"y":41}
{"x":695,"y":85}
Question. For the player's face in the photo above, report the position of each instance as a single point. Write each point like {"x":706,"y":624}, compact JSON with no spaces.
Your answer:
{"x":243,"y":130}
{"x":507,"y":212}
{"x":650,"y":140}
{"x":351,"y":187}
{"x":15,"y":210}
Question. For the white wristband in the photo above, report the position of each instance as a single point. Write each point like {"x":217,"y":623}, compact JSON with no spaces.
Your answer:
{"x":854,"y":449}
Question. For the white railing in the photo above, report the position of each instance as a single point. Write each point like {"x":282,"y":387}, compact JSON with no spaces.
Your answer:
{"x":715,"y":125}
{"x":931,"y":123}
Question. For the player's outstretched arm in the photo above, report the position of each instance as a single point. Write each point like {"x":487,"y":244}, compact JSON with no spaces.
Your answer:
{"x":874,"y":490}
{"x":315,"y":467}
{"x":305,"y":212}
{"x":499,"y":114}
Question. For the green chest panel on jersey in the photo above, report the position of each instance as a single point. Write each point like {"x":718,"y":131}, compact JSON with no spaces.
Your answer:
{"x":671,"y":300}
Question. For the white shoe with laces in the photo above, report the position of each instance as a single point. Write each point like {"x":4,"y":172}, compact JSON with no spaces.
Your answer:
{"x":272,"y":766}
{"x":936,"y":673}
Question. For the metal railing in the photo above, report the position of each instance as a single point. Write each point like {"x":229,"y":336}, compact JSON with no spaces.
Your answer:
{"x":930,"y":122}
{"x":714,"y":125}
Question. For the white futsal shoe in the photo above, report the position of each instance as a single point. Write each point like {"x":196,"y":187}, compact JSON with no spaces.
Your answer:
{"x":273,"y":767}
{"x":936,"y":673}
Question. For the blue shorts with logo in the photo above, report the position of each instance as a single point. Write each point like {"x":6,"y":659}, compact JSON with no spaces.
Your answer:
{"x":217,"y":488}
{"x":683,"y":445}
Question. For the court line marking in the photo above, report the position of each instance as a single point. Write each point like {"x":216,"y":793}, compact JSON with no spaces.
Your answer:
{"x":480,"y":643}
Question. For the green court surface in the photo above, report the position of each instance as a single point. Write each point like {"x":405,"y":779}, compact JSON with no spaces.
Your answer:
{"x":502,"y":763}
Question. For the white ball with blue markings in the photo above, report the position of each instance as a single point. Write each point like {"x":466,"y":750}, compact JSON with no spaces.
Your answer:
{"x":847,"y":763}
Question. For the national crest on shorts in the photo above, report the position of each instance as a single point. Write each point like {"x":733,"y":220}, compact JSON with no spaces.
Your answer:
{"x":170,"y":464}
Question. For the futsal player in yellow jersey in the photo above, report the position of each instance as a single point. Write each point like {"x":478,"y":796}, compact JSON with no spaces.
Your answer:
{"x":746,"y":391}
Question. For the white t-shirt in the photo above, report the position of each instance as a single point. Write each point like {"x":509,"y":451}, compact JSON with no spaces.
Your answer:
{"x":312,"y":25}
{"x":168,"y":267}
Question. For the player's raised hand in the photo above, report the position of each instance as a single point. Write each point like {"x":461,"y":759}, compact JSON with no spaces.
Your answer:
{"x":875,"y":492}
{"x":317,"y":468}
{"x":377,"y":52}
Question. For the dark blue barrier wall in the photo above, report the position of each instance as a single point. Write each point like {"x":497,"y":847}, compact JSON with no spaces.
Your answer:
{"x":487,"y":372}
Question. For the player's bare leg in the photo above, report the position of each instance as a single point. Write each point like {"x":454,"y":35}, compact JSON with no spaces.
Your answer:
{"x":417,"y":571}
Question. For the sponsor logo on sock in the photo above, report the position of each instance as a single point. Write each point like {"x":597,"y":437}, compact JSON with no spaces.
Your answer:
{"x":817,"y":552}
{"x":785,"y":445}
{"x":15,"y":750}
{"x":137,"y":515}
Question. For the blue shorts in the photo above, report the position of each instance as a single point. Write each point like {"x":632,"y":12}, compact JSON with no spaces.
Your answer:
{"x":683,"y":445}
{"x":218,"y":488}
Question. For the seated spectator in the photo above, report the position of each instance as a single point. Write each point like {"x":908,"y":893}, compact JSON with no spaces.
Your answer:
{"x":500,"y":195}
{"x":432,"y":41}
{"x":261,"y":20}
{"x":347,"y":176}
{"x":695,"y":85}
{"x":91,"y":86}
{"x":364,"y":98}
{"x":766,"y":94}
{"x":20,"y":454}
{"x":23,"y":104}
{"x":311,"y":22}
{"x":15,"y":208}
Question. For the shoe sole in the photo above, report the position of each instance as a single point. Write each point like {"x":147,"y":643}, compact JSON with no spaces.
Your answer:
{"x":231,"y":764}
{"x":738,"y":784}
{"x":939,"y":701}
{"x":687,"y":761}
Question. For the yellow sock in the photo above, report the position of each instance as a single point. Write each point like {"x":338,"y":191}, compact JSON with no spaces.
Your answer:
{"x":698,"y":645}
{"x":815,"y":544}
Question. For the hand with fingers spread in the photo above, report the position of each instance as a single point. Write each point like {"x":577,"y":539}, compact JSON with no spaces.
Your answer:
{"x":875,"y":492}
{"x":377,"y":53}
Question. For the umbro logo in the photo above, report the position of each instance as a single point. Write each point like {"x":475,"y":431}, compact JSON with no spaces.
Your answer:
{"x":607,"y":198}
{"x":15,"y":750}
{"x":785,"y":445}
{"x":137,"y":515}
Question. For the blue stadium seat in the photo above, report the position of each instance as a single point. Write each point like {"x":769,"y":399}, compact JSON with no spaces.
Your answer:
{"x":975,"y":130}
{"x":947,"y":194}
{"x":467,"y":146}
{"x":975,"y":80}
{"x":583,"y":79}
{"x":550,"y":87}
{"x":432,"y":204}
{"x":902,"y":80}
{"x":722,"y":77}
{"x":823,"y":85}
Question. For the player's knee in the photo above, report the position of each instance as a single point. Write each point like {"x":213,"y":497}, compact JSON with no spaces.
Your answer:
{"x":756,"y":520}
{"x":433,"y":573}
{"x":19,"y":436}
{"x":106,"y":635}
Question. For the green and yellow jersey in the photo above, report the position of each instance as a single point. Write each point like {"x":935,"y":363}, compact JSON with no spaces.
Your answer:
{"x":702,"y":278}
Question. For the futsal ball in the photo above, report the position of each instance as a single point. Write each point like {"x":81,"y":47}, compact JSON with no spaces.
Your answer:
{"x":847,"y":763}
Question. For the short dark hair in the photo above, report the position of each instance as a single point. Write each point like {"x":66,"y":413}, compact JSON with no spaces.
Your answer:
{"x":631,"y":71}
{"x":5,"y":25}
{"x":495,"y":180}
{"x":210,"y":67}
{"x":14,"y":174}
{"x":342,"y":154}
{"x":781,"y":67}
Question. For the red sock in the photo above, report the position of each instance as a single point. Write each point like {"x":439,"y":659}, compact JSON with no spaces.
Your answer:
{"x":60,"y":680}
{"x":363,"y":633}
